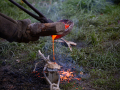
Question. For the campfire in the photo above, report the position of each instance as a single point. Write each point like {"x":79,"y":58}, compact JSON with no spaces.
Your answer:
{"x":65,"y":75}
{"x":56,"y":74}
{"x":50,"y":71}
{"x":53,"y":73}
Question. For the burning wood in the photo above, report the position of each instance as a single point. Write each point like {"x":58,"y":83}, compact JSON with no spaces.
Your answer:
{"x":54,"y":77}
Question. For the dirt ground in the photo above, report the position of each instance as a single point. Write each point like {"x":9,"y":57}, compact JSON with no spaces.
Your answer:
{"x":12,"y":79}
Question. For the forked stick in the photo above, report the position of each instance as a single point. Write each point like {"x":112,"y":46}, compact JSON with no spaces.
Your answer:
{"x":69,"y":43}
{"x":49,"y":64}
{"x":42,"y":55}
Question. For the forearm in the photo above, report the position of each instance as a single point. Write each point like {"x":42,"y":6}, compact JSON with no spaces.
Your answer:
{"x":25,"y":31}
{"x":13,"y":30}
{"x":7,"y":27}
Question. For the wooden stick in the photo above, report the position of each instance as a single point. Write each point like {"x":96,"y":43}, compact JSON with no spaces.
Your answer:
{"x":56,"y":26}
{"x":69,"y":43}
{"x":42,"y":55}
{"x":49,"y":64}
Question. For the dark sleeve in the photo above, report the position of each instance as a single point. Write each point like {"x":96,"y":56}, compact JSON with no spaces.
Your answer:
{"x":13,"y":30}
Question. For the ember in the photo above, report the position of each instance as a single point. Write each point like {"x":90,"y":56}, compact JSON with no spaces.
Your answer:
{"x":68,"y":76}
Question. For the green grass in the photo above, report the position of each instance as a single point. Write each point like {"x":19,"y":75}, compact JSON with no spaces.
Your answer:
{"x":70,"y":86}
{"x":103,"y":80}
{"x":101,"y":32}
{"x":96,"y":23}
{"x":12,"y":11}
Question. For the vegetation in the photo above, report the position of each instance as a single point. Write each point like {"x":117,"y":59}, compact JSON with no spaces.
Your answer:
{"x":96,"y":27}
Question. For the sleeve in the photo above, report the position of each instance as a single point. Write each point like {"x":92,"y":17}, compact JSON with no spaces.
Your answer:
{"x":13,"y":30}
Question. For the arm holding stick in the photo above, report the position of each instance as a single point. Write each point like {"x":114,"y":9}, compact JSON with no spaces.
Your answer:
{"x":25,"y":31}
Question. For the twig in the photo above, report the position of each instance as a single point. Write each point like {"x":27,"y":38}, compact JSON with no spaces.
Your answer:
{"x":69,"y":43}
{"x":45,"y":58}
{"x":49,"y":64}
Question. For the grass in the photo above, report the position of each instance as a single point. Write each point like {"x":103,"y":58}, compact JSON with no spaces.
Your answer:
{"x":104,"y":80}
{"x":96,"y":23}
{"x":71,"y":86}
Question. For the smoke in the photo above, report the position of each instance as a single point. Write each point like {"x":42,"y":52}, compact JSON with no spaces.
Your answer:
{"x":62,"y":53}
{"x":50,"y":10}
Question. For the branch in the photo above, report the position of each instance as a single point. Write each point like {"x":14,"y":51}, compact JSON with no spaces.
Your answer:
{"x":49,"y":64}
{"x":42,"y":55}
